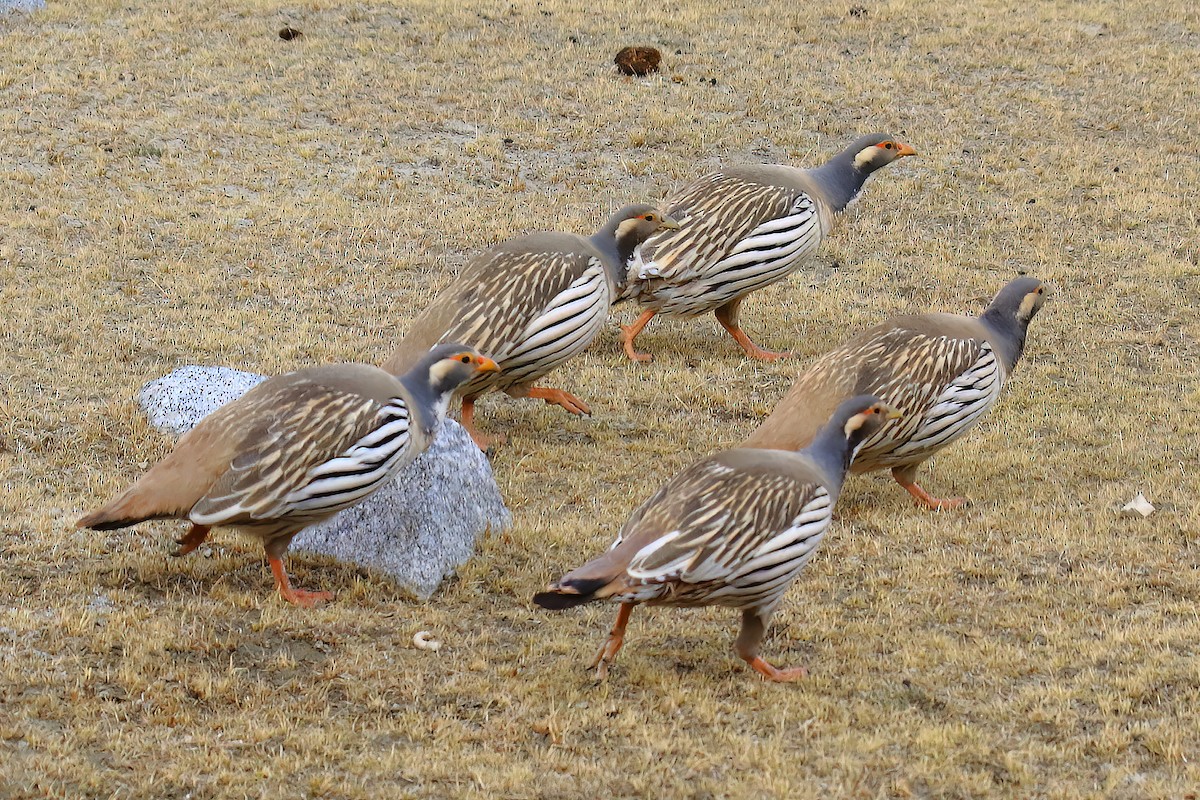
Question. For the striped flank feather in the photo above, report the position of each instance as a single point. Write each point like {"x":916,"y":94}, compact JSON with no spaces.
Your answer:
{"x":943,"y":385}
{"x":737,"y":236}
{"x":563,"y":329}
{"x":303,"y":469}
{"x":366,"y":466}
{"x":735,"y":538}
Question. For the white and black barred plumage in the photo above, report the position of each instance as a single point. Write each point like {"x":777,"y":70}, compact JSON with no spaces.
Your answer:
{"x":740,"y":551}
{"x":942,"y":371}
{"x":298,"y":472}
{"x":733,"y":530}
{"x":530,"y":310}
{"x":531,"y":304}
{"x":741,"y":229}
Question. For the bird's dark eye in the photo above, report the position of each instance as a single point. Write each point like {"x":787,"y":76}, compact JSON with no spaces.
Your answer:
{"x":888,"y":145}
{"x":465,"y":359}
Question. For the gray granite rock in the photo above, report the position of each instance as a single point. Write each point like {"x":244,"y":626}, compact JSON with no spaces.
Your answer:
{"x":421,"y":527}
{"x":175,"y":403}
{"x":21,"y":5}
{"x":417,"y":530}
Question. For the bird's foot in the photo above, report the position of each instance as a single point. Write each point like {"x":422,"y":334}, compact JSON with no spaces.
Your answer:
{"x":305,"y":598}
{"x":627,"y":341}
{"x":775,"y":674}
{"x":560,"y":398}
{"x":630,"y":332}
{"x":485,"y":442}
{"x":756,"y":352}
{"x":299,"y":597}
{"x":749,"y":347}
{"x":607,"y":654}
{"x":929,"y":501}
{"x":612,"y":645}
{"x":191,"y":540}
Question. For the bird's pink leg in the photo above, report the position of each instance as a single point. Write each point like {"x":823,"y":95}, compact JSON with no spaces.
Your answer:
{"x":468,"y":421}
{"x":727,"y":316}
{"x":192,"y":539}
{"x":631,"y":331}
{"x":612,"y":645}
{"x":299,"y":597}
{"x":923,"y":497}
{"x":559,"y":398}
{"x":774,"y":674}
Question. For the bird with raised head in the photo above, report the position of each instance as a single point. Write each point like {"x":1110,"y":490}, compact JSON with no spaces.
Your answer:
{"x":942,"y":371}
{"x":294,"y":451}
{"x":743,"y":228}
{"x":531,"y":303}
{"x":733,"y":529}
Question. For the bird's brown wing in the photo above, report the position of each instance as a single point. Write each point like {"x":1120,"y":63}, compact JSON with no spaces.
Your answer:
{"x":306,"y":451}
{"x":714,"y":522}
{"x":496,"y":299}
{"x":941,"y":384}
{"x":911,"y":364}
{"x":726,"y":222}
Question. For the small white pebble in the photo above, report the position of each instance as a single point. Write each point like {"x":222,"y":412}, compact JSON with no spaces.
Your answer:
{"x":423,"y":640}
{"x":1138,"y":507}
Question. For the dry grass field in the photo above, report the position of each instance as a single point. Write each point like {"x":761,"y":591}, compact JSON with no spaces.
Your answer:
{"x":179,"y":185}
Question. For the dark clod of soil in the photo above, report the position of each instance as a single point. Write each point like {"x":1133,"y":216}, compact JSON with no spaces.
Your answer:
{"x":288,"y":33}
{"x":638,"y":60}
{"x":858,"y":11}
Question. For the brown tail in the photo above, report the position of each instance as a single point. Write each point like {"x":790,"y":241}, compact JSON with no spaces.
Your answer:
{"x":595,"y":580}
{"x":128,"y":509}
{"x":569,"y":594}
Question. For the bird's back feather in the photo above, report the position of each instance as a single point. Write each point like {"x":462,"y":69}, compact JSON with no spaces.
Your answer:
{"x":499,"y":297}
{"x":938,"y":370}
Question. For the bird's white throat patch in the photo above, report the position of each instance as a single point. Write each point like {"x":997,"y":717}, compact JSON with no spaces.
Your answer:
{"x":854,"y":423}
{"x":1029,"y":305}
{"x":865,"y":156}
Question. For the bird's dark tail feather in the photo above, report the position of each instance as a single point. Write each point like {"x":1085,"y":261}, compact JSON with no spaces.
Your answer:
{"x":568,"y":595}
{"x":112,"y":517}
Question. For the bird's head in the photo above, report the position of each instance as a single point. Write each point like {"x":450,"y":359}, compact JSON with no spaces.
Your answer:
{"x":1019,"y":300}
{"x":878,"y":150}
{"x":634,"y":224}
{"x":446,"y":367}
{"x":861,"y":417}
{"x":624,"y":233}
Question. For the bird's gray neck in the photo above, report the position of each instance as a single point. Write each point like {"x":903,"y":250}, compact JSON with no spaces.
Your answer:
{"x":1009,"y":334}
{"x":615,"y":254}
{"x":839,"y":180}
{"x":832,"y":452}
{"x":425,"y":397}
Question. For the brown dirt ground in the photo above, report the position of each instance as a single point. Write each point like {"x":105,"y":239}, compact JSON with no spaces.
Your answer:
{"x":178,"y":185}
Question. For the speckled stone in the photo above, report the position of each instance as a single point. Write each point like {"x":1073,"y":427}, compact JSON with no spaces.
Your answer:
{"x":416,"y":530}
{"x":175,"y":403}
{"x":21,"y":5}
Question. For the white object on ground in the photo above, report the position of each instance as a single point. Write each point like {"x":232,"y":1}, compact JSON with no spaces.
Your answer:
{"x":1138,"y":507}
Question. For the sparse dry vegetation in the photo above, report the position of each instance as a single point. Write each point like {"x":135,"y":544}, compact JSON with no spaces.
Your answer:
{"x":179,"y":185}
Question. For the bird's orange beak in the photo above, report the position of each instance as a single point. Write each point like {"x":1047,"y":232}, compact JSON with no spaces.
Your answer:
{"x":485,"y":364}
{"x":903,"y":149}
